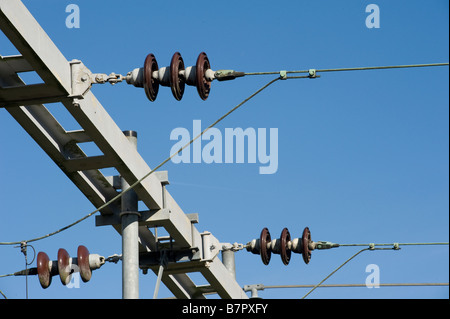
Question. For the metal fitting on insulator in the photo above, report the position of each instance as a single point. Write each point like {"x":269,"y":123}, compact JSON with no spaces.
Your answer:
{"x":136,"y":77}
{"x":265,"y":246}
{"x":323,"y":245}
{"x":226,"y":75}
{"x":261,"y":246}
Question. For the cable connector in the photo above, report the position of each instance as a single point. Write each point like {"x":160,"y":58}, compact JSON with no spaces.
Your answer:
{"x":114,"y":258}
{"x":233,"y":247}
{"x":312,"y":73}
{"x":254,"y":290}
{"x":23,"y":248}
{"x":283,"y":75}
{"x":325,"y":245}
{"x":26,"y":272}
{"x":225,"y":75}
{"x":101,"y":78}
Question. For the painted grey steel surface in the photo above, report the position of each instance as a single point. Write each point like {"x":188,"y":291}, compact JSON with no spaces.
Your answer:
{"x":130,"y":237}
{"x":25,"y":104}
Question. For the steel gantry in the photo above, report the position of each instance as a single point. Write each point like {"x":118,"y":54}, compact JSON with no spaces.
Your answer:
{"x":64,"y":81}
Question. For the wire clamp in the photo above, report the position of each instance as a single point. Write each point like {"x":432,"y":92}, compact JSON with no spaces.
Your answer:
{"x":114,"y":258}
{"x":225,"y":75}
{"x":324,"y":245}
{"x":283,"y":75}
{"x":312,"y":73}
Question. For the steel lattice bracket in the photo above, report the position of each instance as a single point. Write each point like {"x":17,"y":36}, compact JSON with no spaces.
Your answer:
{"x":70,"y":83}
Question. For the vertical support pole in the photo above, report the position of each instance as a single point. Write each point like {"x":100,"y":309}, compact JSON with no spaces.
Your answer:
{"x":228,"y":261}
{"x":130,"y":236}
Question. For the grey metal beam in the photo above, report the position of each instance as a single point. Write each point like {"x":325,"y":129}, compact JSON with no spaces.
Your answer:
{"x":102,"y":129}
{"x":34,"y":44}
{"x":40,"y":124}
{"x":130,"y":238}
{"x":98,"y":124}
{"x":41,"y":54}
{"x":223,"y":282}
{"x":29,"y":94}
{"x":17,"y":63}
{"x":88,"y":163}
{"x":53,"y":139}
{"x":180,"y":285}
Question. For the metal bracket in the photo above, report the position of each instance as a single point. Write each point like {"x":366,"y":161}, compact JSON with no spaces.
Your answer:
{"x":211,"y":246}
{"x":113,"y":78}
{"x":81,"y":79}
{"x":254,"y":290}
{"x":226,"y":75}
{"x":312,"y":73}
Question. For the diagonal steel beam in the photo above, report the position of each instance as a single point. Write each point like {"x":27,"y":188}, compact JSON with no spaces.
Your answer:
{"x":40,"y":54}
{"x":35,"y":45}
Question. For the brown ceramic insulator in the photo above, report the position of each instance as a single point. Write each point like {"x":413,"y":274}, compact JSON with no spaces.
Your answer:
{"x":151,"y":85}
{"x":176,"y":82}
{"x":203,"y":85}
{"x":64,"y":268}
{"x":264,"y":239}
{"x":306,"y":239}
{"x":83,"y":263}
{"x":285,"y":252}
{"x":43,"y":269}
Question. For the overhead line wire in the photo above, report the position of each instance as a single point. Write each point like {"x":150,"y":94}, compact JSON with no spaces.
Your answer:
{"x":419,"y":284}
{"x":334,"y":271}
{"x":354,"y":69}
{"x":149,"y":173}
{"x":393,"y":244}
{"x":371,"y":247}
{"x":211,"y":126}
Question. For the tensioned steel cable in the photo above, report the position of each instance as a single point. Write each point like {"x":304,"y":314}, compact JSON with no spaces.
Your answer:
{"x":282,"y":77}
{"x":149,"y":173}
{"x":416,"y":284}
{"x":372,"y":247}
{"x":334,"y":271}
{"x":393,"y":244}
{"x":354,"y":69}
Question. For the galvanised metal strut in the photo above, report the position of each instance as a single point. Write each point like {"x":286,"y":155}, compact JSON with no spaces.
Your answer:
{"x":65,"y":82}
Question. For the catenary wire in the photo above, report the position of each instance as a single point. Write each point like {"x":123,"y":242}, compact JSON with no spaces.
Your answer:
{"x":212,"y":125}
{"x":399,"y":244}
{"x":354,"y":69}
{"x":342,"y":265}
{"x":149,"y":173}
{"x":370,"y":247}
{"x":418,"y":284}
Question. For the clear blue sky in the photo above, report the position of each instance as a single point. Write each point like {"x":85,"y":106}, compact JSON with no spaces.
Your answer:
{"x":363,"y":156}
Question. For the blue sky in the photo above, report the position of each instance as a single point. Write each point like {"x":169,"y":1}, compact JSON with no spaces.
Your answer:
{"x":362,"y":156}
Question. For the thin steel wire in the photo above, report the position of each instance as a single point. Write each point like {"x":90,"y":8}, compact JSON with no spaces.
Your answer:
{"x":424,"y":284}
{"x":212,"y":125}
{"x":149,"y":173}
{"x":355,"y":69}
{"x":369,"y":247}
{"x":393,"y":244}
{"x":334,"y":271}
